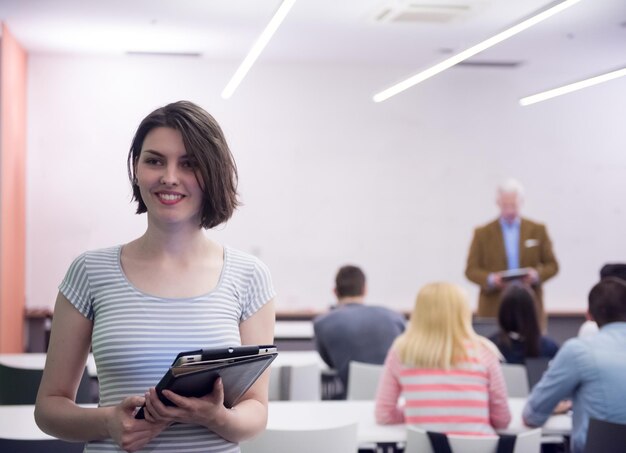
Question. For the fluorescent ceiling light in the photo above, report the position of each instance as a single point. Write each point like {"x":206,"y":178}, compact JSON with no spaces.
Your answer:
{"x":528,"y":100}
{"x":464,"y":55}
{"x":257,"y":48}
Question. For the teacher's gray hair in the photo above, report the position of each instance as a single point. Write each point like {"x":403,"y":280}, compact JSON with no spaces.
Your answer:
{"x":511,"y":186}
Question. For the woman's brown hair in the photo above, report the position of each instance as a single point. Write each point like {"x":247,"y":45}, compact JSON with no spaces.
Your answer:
{"x":206,"y":146}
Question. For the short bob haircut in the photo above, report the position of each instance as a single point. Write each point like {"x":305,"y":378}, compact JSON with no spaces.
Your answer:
{"x":206,"y":146}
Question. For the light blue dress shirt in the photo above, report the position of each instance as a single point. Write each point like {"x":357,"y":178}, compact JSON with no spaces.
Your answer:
{"x":592,"y":372}
{"x":510,"y":232}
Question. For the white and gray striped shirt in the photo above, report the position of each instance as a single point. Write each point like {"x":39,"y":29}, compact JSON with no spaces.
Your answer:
{"x":136,"y":336}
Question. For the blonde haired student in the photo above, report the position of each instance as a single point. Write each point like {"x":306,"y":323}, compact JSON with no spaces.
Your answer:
{"x":449,"y":378}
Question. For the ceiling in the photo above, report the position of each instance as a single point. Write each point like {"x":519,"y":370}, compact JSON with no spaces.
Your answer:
{"x":586,"y":39}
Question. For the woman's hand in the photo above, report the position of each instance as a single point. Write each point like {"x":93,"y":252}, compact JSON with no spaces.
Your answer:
{"x":128,"y":432}
{"x":203,"y":411}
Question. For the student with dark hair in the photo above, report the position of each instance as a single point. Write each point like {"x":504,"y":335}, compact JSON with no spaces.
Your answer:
{"x":353,"y":331}
{"x":349,"y":282}
{"x":613,"y":270}
{"x":139,"y":304}
{"x":590,"y":371}
{"x":590,"y":327}
{"x":520,"y":335}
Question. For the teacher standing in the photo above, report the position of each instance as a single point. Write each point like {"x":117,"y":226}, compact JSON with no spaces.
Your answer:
{"x":507,"y":243}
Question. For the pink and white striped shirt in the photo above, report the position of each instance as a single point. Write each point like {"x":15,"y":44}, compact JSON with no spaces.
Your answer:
{"x":470,"y":399}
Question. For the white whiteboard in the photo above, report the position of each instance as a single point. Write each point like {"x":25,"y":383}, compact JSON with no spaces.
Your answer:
{"x":327,"y":177}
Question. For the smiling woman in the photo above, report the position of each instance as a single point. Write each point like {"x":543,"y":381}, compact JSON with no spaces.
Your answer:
{"x":172,"y":289}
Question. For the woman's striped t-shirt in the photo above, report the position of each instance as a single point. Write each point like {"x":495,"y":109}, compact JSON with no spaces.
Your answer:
{"x":136,"y":336}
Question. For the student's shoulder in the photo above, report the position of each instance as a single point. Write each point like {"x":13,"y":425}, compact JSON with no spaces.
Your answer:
{"x":97,"y":255}
{"x":385,"y":311}
{"x":487,"y":350}
{"x":113,"y":250}
{"x":323,"y":320}
{"x":576,"y":347}
{"x":243,"y":260}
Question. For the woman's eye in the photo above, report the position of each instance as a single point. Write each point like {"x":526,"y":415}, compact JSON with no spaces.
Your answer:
{"x":189,"y":164}
{"x":152,"y":161}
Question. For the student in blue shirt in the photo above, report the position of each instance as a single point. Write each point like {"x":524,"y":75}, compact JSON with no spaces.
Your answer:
{"x":588,"y":370}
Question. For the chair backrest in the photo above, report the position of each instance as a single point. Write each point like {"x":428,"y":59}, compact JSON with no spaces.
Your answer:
{"x":528,"y":441}
{"x":516,"y":379}
{"x":417,"y":441}
{"x":296,"y":383}
{"x":535,"y":367}
{"x":305,"y":383}
{"x":38,"y":446}
{"x":363,"y":380}
{"x":274,"y":384}
{"x":332,"y":386}
{"x":335,"y":439}
{"x":485,"y":327}
{"x":20,"y":386}
{"x":605,"y":437}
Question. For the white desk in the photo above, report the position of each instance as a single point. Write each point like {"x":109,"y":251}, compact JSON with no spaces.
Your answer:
{"x":19,"y":422}
{"x":293,"y":330}
{"x":321,"y":414}
{"x":37,"y":361}
{"x":299,"y":358}
{"x":555,"y":425}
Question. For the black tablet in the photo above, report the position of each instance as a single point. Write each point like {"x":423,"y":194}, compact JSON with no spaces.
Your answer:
{"x":195,"y":376}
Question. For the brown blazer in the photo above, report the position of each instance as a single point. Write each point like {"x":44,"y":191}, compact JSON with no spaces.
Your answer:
{"x":487,"y":254}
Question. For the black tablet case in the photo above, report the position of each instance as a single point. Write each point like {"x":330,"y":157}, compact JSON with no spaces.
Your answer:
{"x":238,"y":375}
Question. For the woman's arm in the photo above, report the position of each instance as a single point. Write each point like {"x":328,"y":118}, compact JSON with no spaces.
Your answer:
{"x":248,"y":417}
{"x":57,"y":414}
{"x":499,"y":413}
{"x":387,"y":411}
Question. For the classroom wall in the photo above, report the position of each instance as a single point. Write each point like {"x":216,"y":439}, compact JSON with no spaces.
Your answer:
{"x":328,"y":177}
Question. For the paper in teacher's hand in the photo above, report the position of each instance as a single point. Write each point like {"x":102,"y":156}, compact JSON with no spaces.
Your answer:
{"x":514,"y":274}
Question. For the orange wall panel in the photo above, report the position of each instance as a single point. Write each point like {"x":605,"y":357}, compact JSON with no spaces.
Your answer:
{"x":13,"y":72}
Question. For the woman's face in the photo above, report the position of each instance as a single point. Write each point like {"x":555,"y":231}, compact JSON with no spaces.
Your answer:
{"x":167,"y":178}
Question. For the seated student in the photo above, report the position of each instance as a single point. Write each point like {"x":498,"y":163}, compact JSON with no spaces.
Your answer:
{"x":589,"y":327}
{"x":353,"y":331}
{"x":450,"y":377}
{"x":588,"y":370}
{"x":520,"y":336}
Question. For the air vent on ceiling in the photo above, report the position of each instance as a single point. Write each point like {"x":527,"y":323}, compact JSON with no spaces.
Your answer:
{"x":415,"y":12}
{"x":164,"y":54}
